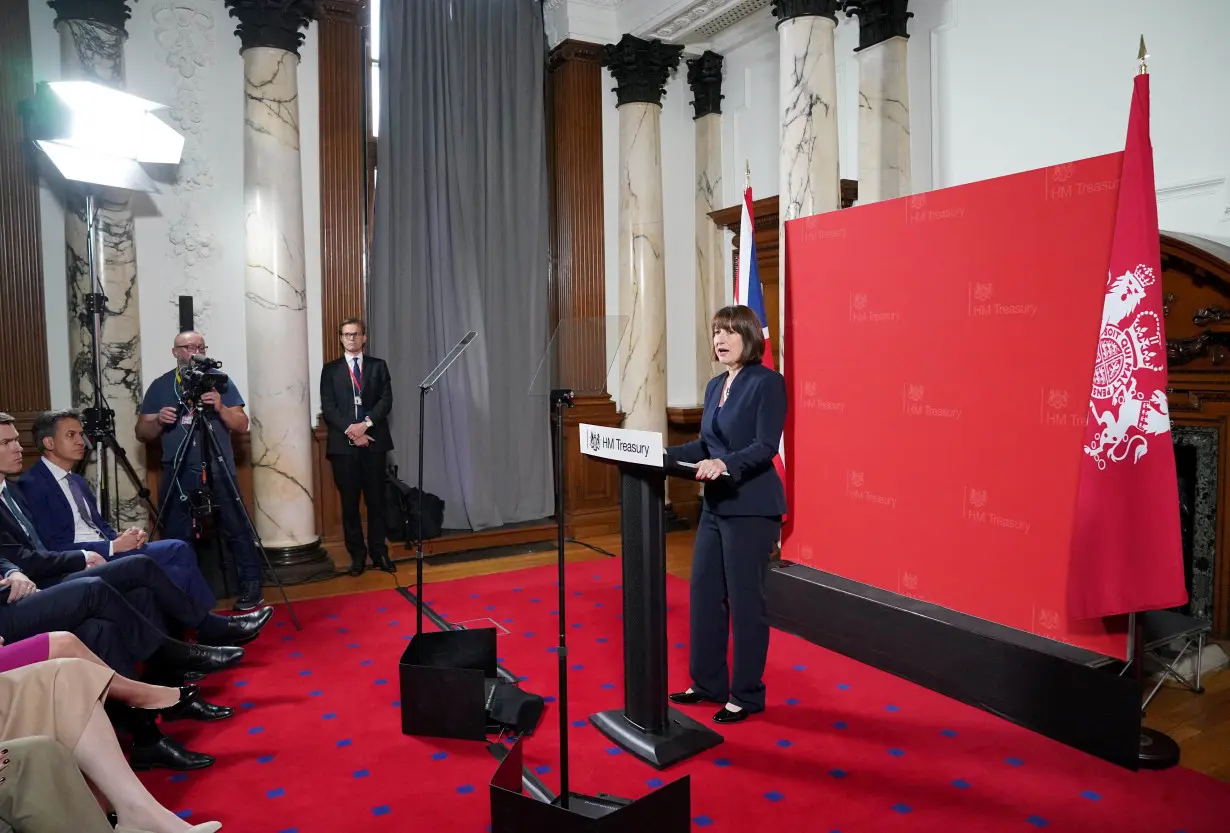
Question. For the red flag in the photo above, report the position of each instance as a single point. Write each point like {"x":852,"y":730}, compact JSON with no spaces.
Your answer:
{"x":1127,"y":551}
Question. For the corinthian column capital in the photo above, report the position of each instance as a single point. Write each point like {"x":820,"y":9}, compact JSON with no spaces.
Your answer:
{"x":114,"y":13}
{"x":277,"y":24}
{"x":640,"y":68}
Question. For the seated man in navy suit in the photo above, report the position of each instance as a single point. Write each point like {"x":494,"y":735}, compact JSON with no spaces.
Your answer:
{"x":66,"y":517}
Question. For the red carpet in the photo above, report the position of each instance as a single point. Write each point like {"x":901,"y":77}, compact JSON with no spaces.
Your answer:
{"x":317,"y":747}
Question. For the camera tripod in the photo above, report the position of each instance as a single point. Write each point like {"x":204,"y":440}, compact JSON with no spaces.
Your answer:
{"x":98,"y":420}
{"x":201,"y":435}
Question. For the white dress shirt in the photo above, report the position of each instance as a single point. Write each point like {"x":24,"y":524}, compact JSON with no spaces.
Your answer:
{"x":82,"y":530}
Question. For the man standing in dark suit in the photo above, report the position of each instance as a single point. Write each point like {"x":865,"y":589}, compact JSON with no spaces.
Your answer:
{"x":356,"y":396}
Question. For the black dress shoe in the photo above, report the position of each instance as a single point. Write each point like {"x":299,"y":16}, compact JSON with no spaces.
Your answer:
{"x":383,"y":563}
{"x":356,"y":569}
{"x":203,"y":658}
{"x":238,"y":630}
{"x":725,"y":715}
{"x":192,"y":706}
{"x":690,"y":698}
{"x":167,"y":754}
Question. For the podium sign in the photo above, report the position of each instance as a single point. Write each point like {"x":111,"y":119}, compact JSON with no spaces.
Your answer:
{"x":622,"y":445}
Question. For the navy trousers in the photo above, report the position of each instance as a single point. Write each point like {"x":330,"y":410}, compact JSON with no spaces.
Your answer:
{"x":178,"y":560}
{"x":729,"y":563}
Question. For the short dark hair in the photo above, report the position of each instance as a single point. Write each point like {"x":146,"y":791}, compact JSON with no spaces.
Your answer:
{"x":744,"y":322}
{"x":359,"y":321}
{"x":48,"y":422}
{"x":5,"y":419}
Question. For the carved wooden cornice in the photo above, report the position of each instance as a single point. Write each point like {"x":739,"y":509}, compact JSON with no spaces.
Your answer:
{"x":574,"y":50}
{"x":343,"y":11}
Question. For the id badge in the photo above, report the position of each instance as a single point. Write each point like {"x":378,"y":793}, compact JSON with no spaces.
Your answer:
{"x":358,"y":400}
{"x":186,"y":420}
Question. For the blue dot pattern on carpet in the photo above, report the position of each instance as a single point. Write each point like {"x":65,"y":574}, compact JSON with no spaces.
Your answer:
{"x":774,"y":796}
{"x":948,"y":733}
{"x":265,"y":759}
{"x":838,"y":773}
{"x":178,"y":777}
{"x":361,"y":773}
{"x":439,"y":756}
{"x":840,"y":686}
{"x":1091,"y":795}
{"x":896,"y":753}
{"x":841,"y":724}
{"x":891,"y":708}
{"x":792,"y":701}
{"x":344,"y":743}
{"x":784,"y":744}
{"x":702,"y":821}
{"x":722,"y":762}
{"x":382,"y":810}
{"x":902,"y":808}
{"x":961,"y":784}
{"x":183,"y":814}
{"x":1037,"y":821}
{"x":1014,"y":762}
{"x":655,"y":782}
{"x":465,"y":789}
{"x":277,"y":792}
{"x":577,"y":724}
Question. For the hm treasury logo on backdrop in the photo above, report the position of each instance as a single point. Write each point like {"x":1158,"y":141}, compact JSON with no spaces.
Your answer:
{"x":1126,"y":400}
{"x":856,"y":489}
{"x":814,"y":401}
{"x":914,"y":403}
{"x":919,"y":212}
{"x":1056,"y":409}
{"x":863,"y":312}
{"x":975,"y":509}
{"x":1059,"y":184}
{"x":984,"y":304}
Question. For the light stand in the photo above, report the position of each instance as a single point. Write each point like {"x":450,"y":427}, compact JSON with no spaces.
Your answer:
{"x":98,"y":422}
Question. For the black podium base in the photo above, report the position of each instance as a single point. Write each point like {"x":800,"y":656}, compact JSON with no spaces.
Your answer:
{"x":1157,"y":751}
{"x":683,"y":738}
{"x":664,"y":810}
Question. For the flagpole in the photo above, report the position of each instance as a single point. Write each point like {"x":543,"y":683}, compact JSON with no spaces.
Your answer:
{"x":1143,"y":58}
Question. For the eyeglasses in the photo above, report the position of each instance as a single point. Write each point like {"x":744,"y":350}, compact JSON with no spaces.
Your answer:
{"x":352,"y":335}
{"x":192,"y":348}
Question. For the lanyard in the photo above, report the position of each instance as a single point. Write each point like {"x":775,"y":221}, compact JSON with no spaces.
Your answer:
{"x":354,"y":380}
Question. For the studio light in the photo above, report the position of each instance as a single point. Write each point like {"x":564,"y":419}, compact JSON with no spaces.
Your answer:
{"x":99,"y":135}
{"x":99,"y":138}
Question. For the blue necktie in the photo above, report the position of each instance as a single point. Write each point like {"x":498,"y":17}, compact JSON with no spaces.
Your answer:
{"x":21,"y":519}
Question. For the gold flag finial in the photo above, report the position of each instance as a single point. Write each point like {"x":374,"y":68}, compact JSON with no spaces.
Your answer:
{"x":1143,"y":57}
{"x":749,"y":172}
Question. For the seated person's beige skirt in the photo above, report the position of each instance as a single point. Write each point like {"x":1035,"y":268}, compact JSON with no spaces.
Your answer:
{"x":53,"y":698}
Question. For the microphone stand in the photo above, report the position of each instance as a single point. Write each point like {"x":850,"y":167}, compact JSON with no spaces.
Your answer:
{"x":426,"y":387}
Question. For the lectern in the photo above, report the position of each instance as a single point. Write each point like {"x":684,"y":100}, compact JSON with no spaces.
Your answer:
{"x":646,"y":726}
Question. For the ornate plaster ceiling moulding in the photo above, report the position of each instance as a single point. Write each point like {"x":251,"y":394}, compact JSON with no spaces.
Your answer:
{"x":704,"y":19}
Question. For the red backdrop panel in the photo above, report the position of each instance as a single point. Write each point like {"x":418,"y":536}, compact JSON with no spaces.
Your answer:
{"x":940,"y":357}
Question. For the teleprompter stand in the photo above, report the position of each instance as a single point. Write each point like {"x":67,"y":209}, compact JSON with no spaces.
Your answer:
{"x":646,"y":726}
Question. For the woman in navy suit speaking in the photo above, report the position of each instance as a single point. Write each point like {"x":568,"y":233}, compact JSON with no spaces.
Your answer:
{"x":741,"y":518}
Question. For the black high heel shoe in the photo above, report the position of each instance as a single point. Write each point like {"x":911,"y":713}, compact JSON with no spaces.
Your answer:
{"x":192,"y":707}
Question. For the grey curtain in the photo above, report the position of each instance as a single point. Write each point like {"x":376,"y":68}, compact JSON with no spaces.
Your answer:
{"x":460,"y":243}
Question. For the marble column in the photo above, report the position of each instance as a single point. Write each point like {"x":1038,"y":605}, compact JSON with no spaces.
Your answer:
{"x":808,"y":178}
{"x":92,"y":35}
{"x":705,"y":79}
{"x":640,"y":69}
{"x":883,"y":99}
{"x":275,"y":281}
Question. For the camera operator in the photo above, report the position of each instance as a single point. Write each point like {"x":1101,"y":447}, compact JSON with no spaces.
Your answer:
{"x":196,"y":389}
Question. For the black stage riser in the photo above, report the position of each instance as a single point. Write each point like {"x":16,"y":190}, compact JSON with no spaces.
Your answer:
{"x":1088,"y":708}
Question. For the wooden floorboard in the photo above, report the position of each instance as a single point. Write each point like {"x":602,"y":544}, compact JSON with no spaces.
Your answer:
{"x":1199,"y":723}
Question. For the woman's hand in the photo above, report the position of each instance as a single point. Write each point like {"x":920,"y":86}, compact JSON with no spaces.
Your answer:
{"x":710,"y":469}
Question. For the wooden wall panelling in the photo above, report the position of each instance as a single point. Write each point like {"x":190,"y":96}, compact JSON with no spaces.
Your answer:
{"x":578,"y":275}
{"x":344,"y":178}
{"x":1196,"y":298}
{"x":24,"y":386}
